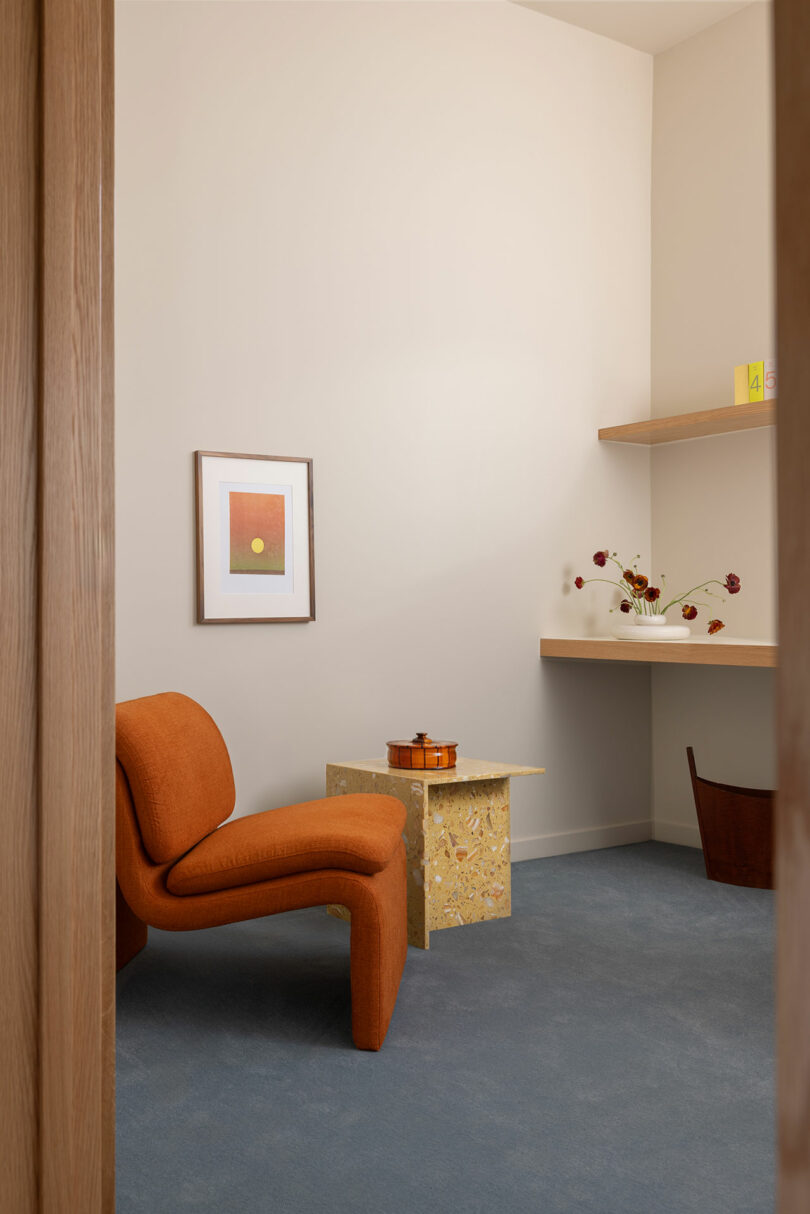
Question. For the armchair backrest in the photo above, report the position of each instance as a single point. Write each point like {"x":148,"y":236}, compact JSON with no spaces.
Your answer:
{"x":178,"y":770}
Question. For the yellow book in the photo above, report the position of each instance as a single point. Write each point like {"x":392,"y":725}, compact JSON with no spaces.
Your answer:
{"x":756,"y":380}
{"x":770,"y":379}
{"x":741,"y":384}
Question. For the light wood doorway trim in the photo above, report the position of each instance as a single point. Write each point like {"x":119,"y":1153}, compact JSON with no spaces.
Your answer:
{"x":56,"y":743}
{"x":792,"y":56}
{"x":56,"y":608}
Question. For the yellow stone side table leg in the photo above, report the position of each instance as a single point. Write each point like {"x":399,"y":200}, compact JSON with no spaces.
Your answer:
{"x":467,"y":847}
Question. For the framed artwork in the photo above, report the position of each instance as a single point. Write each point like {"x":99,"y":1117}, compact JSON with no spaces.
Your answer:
{"x":255,"y":557}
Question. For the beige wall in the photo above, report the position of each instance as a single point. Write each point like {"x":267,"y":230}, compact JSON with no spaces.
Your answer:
{"x":712,"y":307}
{"x":412,"y":242}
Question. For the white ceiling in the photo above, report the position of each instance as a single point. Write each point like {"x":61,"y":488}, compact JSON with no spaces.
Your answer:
{"x":647,"y":25}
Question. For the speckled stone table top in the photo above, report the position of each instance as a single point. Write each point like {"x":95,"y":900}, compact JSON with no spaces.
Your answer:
{"x":464,"y":770}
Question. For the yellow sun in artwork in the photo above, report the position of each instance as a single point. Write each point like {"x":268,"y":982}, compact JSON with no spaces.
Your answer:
{"x":257,"y":545}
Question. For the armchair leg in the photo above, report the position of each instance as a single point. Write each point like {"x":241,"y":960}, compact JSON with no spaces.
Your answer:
{"x":379,"y":944}
{"x":130,"y":931}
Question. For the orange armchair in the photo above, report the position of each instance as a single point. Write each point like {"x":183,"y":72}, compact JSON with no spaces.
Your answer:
{"x":179,"y":868}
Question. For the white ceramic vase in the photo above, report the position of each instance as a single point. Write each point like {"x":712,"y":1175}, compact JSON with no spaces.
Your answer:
{"x":651,"y":628}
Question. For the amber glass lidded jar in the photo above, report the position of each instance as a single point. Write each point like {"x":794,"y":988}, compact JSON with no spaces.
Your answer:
{"x":422,"y":753}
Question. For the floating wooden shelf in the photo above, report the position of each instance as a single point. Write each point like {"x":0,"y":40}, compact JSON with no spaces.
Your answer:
{"x":700,"y":651}
{"x":693,"y":425}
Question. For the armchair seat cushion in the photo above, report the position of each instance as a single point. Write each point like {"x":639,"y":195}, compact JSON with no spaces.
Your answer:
{"x":359,"y":832}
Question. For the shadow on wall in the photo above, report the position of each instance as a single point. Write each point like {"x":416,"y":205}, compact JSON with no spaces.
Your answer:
{"x":595,"y":713}
{"x":728,"y":716}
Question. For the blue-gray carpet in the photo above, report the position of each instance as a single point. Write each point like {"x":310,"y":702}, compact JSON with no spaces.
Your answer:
{"x":607,"y":1050}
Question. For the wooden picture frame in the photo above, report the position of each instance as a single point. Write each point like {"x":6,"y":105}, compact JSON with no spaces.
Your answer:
{"x":255,"y":538}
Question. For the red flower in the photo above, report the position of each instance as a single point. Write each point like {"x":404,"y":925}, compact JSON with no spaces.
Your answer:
{"x":715,"y":626}
{"x":732,"y":584}
{"x":600,"y":558}
{"x":579,"y":582}
{"x":689,"y":612}
{"x":628,"y":576}
{"x":625,"y":605}
{"x":639,"y":583}
{"x":652,"y":593}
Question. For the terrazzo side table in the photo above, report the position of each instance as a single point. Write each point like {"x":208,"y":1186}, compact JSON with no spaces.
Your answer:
{"x":456,"y":835}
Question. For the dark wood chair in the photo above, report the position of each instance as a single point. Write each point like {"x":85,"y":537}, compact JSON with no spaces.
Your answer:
{"x":736,"y":830}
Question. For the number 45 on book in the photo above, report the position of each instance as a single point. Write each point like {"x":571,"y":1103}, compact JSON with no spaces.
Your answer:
{"x":755,"y":381}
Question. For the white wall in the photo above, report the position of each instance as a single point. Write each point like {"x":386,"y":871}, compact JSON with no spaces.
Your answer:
{"x":713,"y":507}
{"x":412,"y":242}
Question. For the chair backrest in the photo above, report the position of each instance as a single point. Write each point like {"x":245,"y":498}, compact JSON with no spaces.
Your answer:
{"x":178,"y":770}
{"x":736,"y":830}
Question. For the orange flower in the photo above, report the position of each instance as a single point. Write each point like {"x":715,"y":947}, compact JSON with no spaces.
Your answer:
{"x":639,"y":583}
{"x":652,"y":593}
{"x":715,"y":626}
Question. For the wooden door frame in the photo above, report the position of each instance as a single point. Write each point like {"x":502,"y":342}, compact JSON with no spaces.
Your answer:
{"x":792,"y":83}
{"x":56,"y":607}
{"x":56,"y":615}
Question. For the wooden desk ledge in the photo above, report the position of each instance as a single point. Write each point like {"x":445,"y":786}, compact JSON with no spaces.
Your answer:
{"x":698,"y":651}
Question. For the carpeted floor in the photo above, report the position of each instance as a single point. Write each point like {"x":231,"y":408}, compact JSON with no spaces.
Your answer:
{"x":607,"y":1050}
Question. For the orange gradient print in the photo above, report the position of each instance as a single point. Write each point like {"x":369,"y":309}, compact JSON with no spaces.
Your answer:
{"x":257,"y":532}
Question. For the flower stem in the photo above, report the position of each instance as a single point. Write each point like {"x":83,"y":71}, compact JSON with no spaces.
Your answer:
{"x":700,"y":586}
{"x":619,"y":586}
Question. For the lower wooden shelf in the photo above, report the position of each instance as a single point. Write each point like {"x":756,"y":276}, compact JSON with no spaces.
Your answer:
{"x":700,"y":651}
{"x":654,"y":430}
